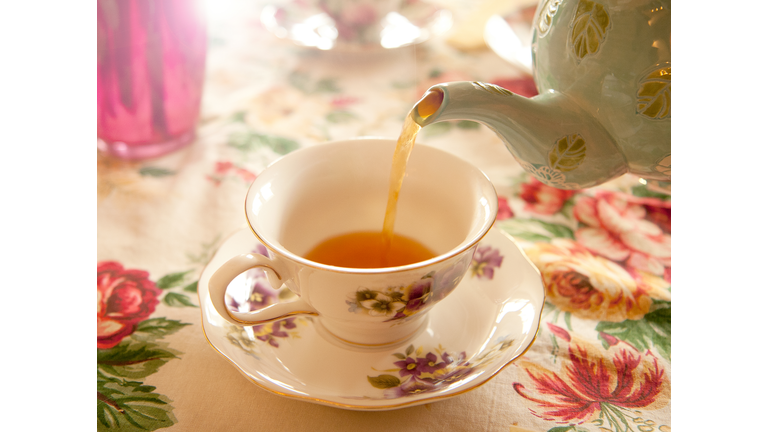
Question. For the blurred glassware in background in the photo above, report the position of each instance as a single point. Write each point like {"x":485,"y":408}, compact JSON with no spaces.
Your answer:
{"x":356,"y":25}
{"x":151,"y":65}
{"x":509,"y":35}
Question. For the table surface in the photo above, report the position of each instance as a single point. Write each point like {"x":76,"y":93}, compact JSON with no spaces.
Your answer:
{"x":602,"y":358}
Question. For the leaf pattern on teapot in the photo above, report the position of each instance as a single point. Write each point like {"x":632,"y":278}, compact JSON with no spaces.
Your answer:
{"x":547,"y":175}
{"x":588,"y":29}
{"x":492,"y":88}
{"x":547,"y":15}
{"x":568,"y":153}
{"x":664,"y":165}
{"x":654,"y":96}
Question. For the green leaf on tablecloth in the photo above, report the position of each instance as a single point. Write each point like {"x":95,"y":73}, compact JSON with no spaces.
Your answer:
{"x":568,"y":428}
{"x":239,"y":116}
{"x":327,"y":85}
{"x":156,"y":328}
{"x":149,"y":171}
{"x":171,"y":280}
{"x":567,"y":208}
{"x":435,"y":129}
{"x":400,"y":85}
{"x":654,"y":330}
{"x":303,"y":82}
{"x":177,"y":300}
{"x":130,"y":406}
{"x":340,"y":116}
{"x":249,"y":141}
{"x":467,"y":124}
{"x":133,"y":359}
{"x":191,"y":287}
{"x":384,"y":381}
{"x":534,"y":230}
{"x":644,"y":192}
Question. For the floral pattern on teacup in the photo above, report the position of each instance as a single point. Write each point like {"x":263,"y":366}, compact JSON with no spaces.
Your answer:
{"x":399,"y":302}
{"x":394,"y":303}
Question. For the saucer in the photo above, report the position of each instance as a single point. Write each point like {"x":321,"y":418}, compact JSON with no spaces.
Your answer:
{"x":489,"y":320}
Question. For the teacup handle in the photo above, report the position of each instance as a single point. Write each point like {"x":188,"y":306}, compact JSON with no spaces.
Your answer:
{"x":222,"y":277}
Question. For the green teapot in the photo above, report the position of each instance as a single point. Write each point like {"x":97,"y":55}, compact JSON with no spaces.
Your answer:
{"x":603,"y":71}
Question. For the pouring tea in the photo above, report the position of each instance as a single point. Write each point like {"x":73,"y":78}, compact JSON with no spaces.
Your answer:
{"x":603,"y":71}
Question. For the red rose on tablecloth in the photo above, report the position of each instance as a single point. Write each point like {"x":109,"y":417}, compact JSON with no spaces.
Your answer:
{"x":124,"y":298}
{"x":543,"y":199}
{"x":618,"y":228}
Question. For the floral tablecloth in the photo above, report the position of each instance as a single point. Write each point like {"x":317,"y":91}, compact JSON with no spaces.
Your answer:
{"x":602,"y":358}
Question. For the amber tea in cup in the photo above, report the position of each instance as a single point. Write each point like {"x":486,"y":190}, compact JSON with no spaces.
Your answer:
{"x":368,"y":249}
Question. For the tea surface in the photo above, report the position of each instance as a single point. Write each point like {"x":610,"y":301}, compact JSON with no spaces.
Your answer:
{"x":367,"y":249}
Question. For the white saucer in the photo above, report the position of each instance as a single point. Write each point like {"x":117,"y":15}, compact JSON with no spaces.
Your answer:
{"x":473,"y":334}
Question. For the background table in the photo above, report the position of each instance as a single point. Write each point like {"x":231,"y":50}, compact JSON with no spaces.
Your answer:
{"x":602,"y":359}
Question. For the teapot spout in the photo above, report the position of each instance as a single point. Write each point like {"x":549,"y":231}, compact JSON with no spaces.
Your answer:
{"x":550,"y":135}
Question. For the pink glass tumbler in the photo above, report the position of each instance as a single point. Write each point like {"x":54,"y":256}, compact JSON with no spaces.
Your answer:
{"x":151,"y":65}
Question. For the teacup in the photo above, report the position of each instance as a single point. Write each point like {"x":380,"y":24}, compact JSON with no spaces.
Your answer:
{"x":445,"y":203}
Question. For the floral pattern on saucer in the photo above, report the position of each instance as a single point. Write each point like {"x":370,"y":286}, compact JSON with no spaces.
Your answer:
{"x":424,"y":373}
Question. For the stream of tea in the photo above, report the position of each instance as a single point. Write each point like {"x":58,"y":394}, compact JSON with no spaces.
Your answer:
{"x":427,"y":106}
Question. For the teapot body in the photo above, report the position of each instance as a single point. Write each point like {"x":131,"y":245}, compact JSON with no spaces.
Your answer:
{"x":613,"y":59}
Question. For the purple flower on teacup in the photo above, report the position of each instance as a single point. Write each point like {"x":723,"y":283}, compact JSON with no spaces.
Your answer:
{"x":417,"y":295}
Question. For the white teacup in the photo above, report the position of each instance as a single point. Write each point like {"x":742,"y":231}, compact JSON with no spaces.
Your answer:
{"x":336,"y":188}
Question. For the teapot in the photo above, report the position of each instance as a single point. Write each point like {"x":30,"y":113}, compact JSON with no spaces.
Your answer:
{"x":603,"y":71}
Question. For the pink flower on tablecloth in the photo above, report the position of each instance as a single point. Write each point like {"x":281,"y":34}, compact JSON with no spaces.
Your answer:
{"x":591,"y":384}
{"x":617,"y":228}
{"x":543,"y":199}
{"x":505,"y":211}
{"x":339,"y":102}
{"x":522,"y":86}
{"x":124,"y":298}
{"x":226,"y":168}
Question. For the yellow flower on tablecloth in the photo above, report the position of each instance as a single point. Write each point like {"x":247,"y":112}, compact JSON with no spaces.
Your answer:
{"x":593,"y":287}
